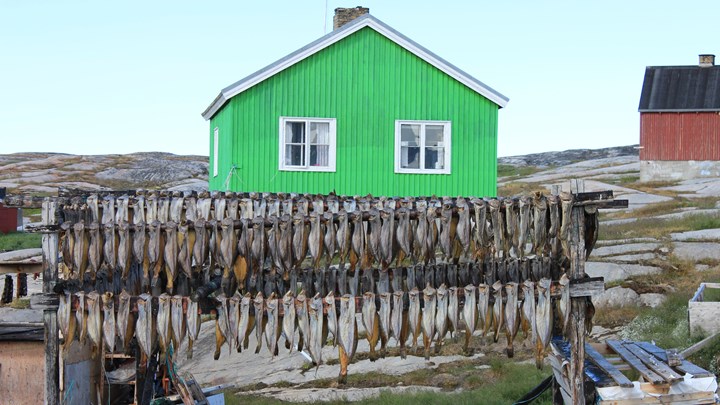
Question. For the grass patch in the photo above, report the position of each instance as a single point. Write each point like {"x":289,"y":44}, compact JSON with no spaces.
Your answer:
{"x":670,"y":206}
{"x":20,"y":303}
{"x":516,"y":171}
{"x":612,"y":317}
{"x":711,"y":294}
{"x":19,"y":240}
{"x":503,"y":383}
{"x":515,"y":188}
{"x":659,"y":228}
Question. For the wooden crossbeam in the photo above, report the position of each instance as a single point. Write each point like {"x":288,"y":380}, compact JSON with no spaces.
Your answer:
{"x":684,"y":367}
{"x":607,"y":367}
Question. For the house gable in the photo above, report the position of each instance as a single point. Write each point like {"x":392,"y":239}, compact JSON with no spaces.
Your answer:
{"x":339,"y":34}
{"x":680,"y":89}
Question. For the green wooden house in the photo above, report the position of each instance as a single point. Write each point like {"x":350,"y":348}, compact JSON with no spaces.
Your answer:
{"x":363,"y":109}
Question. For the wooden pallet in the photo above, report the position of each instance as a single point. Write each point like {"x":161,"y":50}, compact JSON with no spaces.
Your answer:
{"x":608,"y":365}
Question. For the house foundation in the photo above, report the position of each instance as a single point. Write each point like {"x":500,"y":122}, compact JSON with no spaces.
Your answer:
{"x":672,"y":170}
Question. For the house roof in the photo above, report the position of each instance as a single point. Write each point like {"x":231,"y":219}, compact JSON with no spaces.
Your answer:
{"x":680,"y":88}
{"x":366,"y":20}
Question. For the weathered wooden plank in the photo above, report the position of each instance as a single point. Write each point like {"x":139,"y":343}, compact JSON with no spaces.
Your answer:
{"x":635,"y":362}
{"x":654,"y":363}
{"x":578,"y":305}
{"x":587,"y":287}
{"x":50,"y":263}
{"x":607,"y":367}
{"x":21,"y":268}
{"x":593,"y":196}
{"x":684,"y":367}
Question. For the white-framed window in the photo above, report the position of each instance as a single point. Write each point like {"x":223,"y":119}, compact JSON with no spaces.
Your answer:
{"x":422,"y":147}
{"x":307,"y":144}
{"x":216,"y":141}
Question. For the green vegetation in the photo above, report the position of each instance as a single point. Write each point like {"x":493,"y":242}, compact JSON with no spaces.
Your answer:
{"x":20,"y":303}
{"x":19,"y":240}
{"x":502,"y":383}
{"x":670,"y":206}
{"x":516,"y":171}
{"x":659,"y":228}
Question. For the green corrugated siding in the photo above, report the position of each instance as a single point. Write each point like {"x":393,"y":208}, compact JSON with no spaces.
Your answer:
{"x":366,"y":82}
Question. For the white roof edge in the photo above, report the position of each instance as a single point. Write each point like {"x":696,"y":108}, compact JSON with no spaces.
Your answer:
{"x":366,"y":20}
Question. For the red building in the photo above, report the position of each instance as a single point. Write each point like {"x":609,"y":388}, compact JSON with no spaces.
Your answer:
{"x":680,"y":121}
{"x":8,"y":219}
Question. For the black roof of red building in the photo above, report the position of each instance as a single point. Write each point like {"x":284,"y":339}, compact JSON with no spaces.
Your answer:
{"x":680,"y":88}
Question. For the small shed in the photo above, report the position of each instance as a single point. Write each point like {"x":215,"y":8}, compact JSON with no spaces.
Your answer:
{"x":680,"y":121}
{"x":8,"y":219}
{"x":22,"y":356}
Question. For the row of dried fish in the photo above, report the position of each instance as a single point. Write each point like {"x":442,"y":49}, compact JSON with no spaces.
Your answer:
{"x":308,"y":322}
{"x":361,"y":238}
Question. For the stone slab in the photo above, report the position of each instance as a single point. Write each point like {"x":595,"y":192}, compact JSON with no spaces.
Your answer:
{"x":314,"y":395}
{"x":618,"y":271}
{"x":696,"y":251}
{"x":703,"y":235}
{"x":616,"y":297}
{"x":624,"y":249}
{"x":633,"y":258}
{"x":652,"y":300}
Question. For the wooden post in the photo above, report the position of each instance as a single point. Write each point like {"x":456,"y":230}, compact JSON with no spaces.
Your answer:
{"x":577,"y":305}
{"x":50,"y":266}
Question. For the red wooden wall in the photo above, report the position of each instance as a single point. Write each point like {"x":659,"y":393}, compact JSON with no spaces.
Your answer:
{"x":8,"y":219}
{"x":680,"y":136}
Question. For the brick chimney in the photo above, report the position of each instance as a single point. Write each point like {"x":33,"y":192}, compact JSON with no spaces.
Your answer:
{"x":345,"y":15}
{"x":707,"y":60}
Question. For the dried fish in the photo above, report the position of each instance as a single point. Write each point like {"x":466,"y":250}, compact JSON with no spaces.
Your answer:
{"x":124,"y":249}
{"x":524,"y":206}
{"x":553,"y":202}
{"x":315,"y":313}
{"x":273,"y":326}
{"x":496,"y":219}
{"x":420,"y":233}
{"x":81,"y":317}
{"x":284,"y":243}
{"x":348,"y":334}
{"x":300,"y":239}
{"x":202,"y":243}
{"x":164,"y":327}
{"x":330,"y":238}
{"x":563,"y":304}
{"x":108,"y":326}
{"x":398,"y":323}
{"x":469,"y":314}
{"x":384,"y":318}
{"x":156,"y":248}
{"x":186,"y":241}
{"x":288,"y":322}
{"x":543,"y":320}
{"x":193,"y":325}
{"x":528,"y":311}
{"x":171,"y":253}
{"x":447,"y":231}
{"x":463,"y":225}
{"x":222,"y":322}
{"x":80,"y":249}
{"x":110,"y":248}
{"x":453,"y":310}
{"x":428,"y":318}
{"x":177,"y":321}
{"x":246,"y":322}
{"x":511,"y":233}
{"x":228,"y":247}
{"x":260,"y":320}
{"x":371,"y":322}
{"x":95,"y":248}
{"x":374,"y":236}
{"x":343,"y":236}
{"x":315,"y":239}
{"x":441,"y":316}
{"x":498,"y":310}
{"x":414,"y":315}
{"x":303,"y":320}
{"x":125,"y":321}
{"x":539,"y":223}
{"x":388,"y":242}
{"x":94,"y":321}
{"x":332,"y":321}
{"x":145,"y":330}
{"x":511,"y":315}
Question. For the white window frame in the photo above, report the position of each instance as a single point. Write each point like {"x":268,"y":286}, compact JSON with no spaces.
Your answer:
{"x":216,"y":149}
{"x":447,"y":138}
{"x":307,"y":168}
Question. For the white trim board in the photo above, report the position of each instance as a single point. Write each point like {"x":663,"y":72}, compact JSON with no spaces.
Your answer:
{"x":364,"y":21}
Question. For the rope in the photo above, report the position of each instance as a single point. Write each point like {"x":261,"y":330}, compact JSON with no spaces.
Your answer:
{"x":536,"y":392}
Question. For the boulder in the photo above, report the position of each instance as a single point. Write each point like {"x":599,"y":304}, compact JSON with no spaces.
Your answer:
{"x":652,"y":300}
{"x":616,"y":297}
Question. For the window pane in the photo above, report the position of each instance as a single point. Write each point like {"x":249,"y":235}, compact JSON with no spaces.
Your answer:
{"x":410,"y":135}
{"x":320,"y":133}
{"x":294,"y":132}
{"x":435,"y":158}
{"x":434,"y":135}
{"x":410,"y":157}
{"x":319,"y":155}
{"x":294,"y":155}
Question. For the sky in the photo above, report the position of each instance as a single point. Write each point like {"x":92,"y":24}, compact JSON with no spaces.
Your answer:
{"x":95,"y":77}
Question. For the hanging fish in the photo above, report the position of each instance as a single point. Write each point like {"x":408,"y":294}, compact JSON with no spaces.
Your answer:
{"x":469,"y":314}
{"x":273,"y":238}
{"x":80,"y":249}
{"x":332,"y":321}
{"x":420,"y":233}
{"x":384,"y":319}
{"x":284,"y":244}
{"x":156,"y":248}
{"x":177,"y":321}
{"x":228,"y":248}
{"x":343,"y":236}
{"x":371,"y":322}
{"x":139,"y":251}
{"x":124,"y":249}
{"x":453,"y":310}
{"x":358,"y":245}
{"x":176,"y":207}
{"x":388,"y":242}
{"x":145,"y":330}
{"x":288,"y":322}
{"x":498,"y":310}
{"x":110,"y":248}
{"x":511,"y":315}
{"x":543,"y":320}
{"x":260,"y":320}
{"x":374,"y":236}
{"x":315,"y":239}
{"x":441,"y":316}
{"x":553,"y":202}
{"x":524,"y":206}
{"x":484,"y":313}
{"x":463,"y":226}
{"x":108,"y":326}
{"x":566,"y":202}
{"x":246,"y":322}
{"x":164,"y":327}
{"x":300,"y":239}
{"x":414,"y":315}
{"x":81,"y":317}
{"x":497,"y":226}
{"x":512,"y":238}
{"x":303,"y":320}
{"x":95,"y":248}
{"x":273,"y":326}
{"x":330,"y":238}
{"x":428,"y":318}
{"x":317,"y":338}
{"x":563,"y":304}
{"x":528,"y":311}
{"x":186,"y":240}
{"x":202,"y":243}
{"x":193,"y":325}
{"x":125,"y":321}
{"x":447,"y":231}
{"x":539,"y":223}
{"x":398,"y":328}
{"x":348,"y":334}
{"x":221,"y":325}
{"x":479,"y":234}
{"x":66,"y":320}
{"x":171,"y":253}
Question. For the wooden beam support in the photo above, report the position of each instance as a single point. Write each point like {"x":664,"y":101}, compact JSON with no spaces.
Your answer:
{"x":607,"y":367}
{"x":50,"y":263}
{"x":635,"y":362}
{"x":578,"y":305}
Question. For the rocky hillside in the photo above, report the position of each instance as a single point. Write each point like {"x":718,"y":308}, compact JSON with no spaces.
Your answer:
{"x":33,"y":173}
{"x":546,"y":159}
